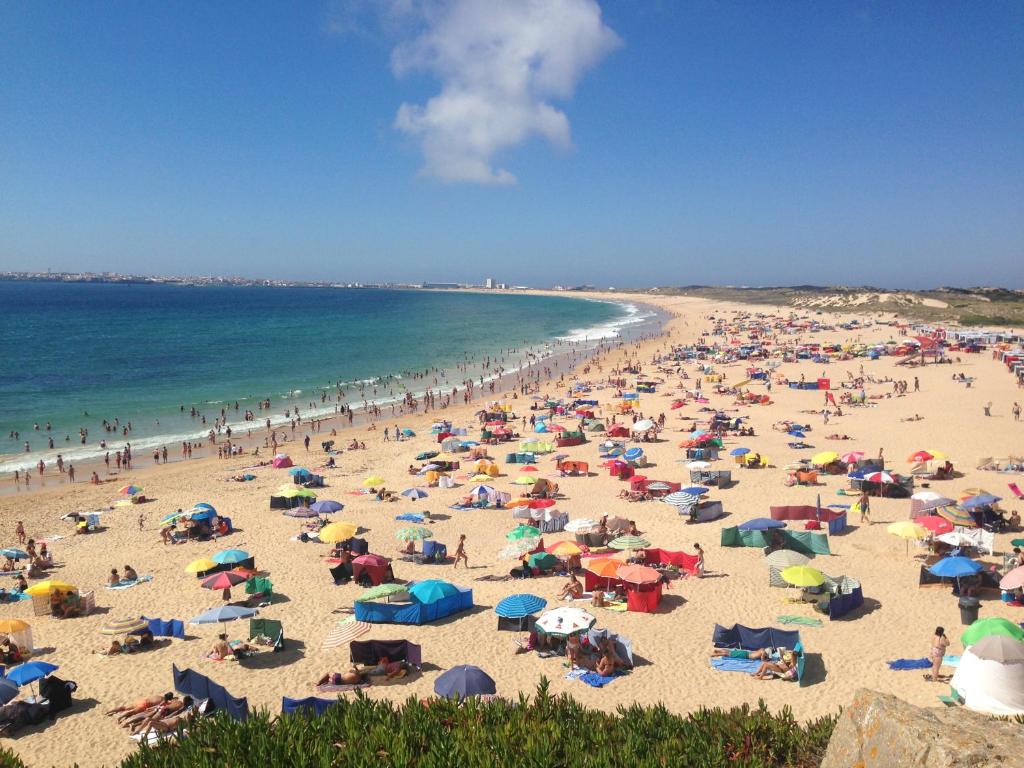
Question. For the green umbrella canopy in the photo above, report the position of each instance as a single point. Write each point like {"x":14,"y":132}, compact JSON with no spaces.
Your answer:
{"x":993,"y":625}
{"x":523,"y":532}
{"x":629,"y":542}
{"x":414,"y":533}
{"x":542,"y":560}
{"x":381,"y":590}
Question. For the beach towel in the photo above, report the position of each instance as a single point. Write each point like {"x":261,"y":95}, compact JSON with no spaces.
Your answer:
{"x":493,"y":577}
{"x":410,"y":517}
{"x":724,"y":664}
{"x":595,"y":680}
{"x":129,"y":584}
{"x":575,"y":674}
{"x":908,"y":664}
{"x":340,"y":688}
{"x":804,"y":621}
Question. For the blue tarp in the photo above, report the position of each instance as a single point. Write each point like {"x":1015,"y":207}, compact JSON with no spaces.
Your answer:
{"x":414,"y":612}
{"x":166,"y":627}
{"x":201,"y":687}
{"x":310,"y":705}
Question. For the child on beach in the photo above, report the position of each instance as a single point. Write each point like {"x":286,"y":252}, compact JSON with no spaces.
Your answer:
{"x":460,"y":552}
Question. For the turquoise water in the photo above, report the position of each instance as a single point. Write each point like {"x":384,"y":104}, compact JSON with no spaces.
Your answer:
{"x":74,"y":354}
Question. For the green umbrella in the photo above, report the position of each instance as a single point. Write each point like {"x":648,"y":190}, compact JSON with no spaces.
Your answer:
{"x":629,"y":542}
{"x":414,"y":533}
{"x":381,"y":590}
{"x":1017,"y":542}
{"x":994,"y":625}
{"x":522,"y":532}
{"x":542,"y":560}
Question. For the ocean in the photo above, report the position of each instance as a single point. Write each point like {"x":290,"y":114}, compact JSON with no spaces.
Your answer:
{"x":76,"y":354}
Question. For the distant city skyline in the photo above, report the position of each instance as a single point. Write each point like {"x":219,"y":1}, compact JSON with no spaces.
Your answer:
{"x":562,"y":142}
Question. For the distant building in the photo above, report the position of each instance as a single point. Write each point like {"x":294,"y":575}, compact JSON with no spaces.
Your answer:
{"x":489,"y":282}
{"x":441,"y":285}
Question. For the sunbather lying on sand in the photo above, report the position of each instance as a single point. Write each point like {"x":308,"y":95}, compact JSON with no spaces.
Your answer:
{"x":140,"y":705}
{"x":739,"y":653}
{"x":161,"y":710}
{"x":784,"y":667}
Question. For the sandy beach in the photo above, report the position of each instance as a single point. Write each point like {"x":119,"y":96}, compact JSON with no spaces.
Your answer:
{"x":674,"y":644}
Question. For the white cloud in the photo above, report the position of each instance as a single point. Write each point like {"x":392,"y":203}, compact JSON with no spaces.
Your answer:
{"x":500,"y":63}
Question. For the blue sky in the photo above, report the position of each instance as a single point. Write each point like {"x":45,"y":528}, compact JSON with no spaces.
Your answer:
{"x":633,"y":143}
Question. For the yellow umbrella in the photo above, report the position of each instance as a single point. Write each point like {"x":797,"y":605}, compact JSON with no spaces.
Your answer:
{"x":803,"y":576}
{"x":48,"y":586}
{"x":13,"y":625}
{"x":825,"y":457}
{"x":937,"y":455}
{"x":564,"y":549}
{"x":372,"y":481}
{"x":200,"y":565}
{"x":907,"y":529}
{"x":524,"y":480}
{"x":339,"y":531}
{"x":480,"y":478}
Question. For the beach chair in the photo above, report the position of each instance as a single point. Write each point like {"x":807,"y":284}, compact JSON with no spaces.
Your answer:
{"x":268,"y":632}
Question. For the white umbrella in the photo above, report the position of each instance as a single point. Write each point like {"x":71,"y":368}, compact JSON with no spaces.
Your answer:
{"x":785,"y":558}
{"x":643,"y":425}
{"x":681,"y":499}
{"x":481,"y":490}
{"x":698,"y":465}
{"x":580,"y":525}
{"x":563,"y":622}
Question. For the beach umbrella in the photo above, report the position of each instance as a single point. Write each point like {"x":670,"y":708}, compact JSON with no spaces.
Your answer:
{"x":382,"y":590}
{"x":1017,"y":542}
{"x":48,"y":586}
{"x":201,"y":565}
{"x":480,"y":478}
{"x":203,"y":505}
{"x":523,"y":532}
{"x":738,"y":452}
{"x":14,"y":553}
{"x":981,"y":500}
{"x":432,"y":590}
{"x":464,"y":681}
{"x":408,"y":432}
{"x":658,"y":485}
{"x":223,"y":614}
{"x":797,"y":434}
{"x":295,"y":471}
{"x":8,"y":691}
{"x":802,"y":576}
{"x":698,"y":465}
{"x":528,"y":469}
{"x":563,"y":549}
{"x":823,"y":458}
{"x":483,"y":490}
{"x":516,"y":549}
{"x":372,"y":560}
{"x":580,"y":525}
{"x":761,"y":524}
{"x":373,"y":481}
{"x":957,"y":516}
{"x":638,"y":574}
{"x":415,"y":493}
{"x":326,"y":507}
{"x":934,"y":523}
{"x":30,"y":671}
{"x":784,"y":558}
{"x":968,"y":493}
{"x":955,"y":567}
{"x":929,"y":500}
{"x":339,"y":531}
{"x":696,"y":490}
{"x":937,"y":455}
{"x":562,"y":622}
{"x":994,"y":625}
{"x":629,"y":542}
{"x":346,"y":631}
{"x":851,"y":457}
{"x":1013,"y":579}
{"x":287,"y":493}
{"x":7,"y":626}
{"x":1005,"y":650}
{"x":907,"y":529}
{"x":642,"y":426}
{"x":124,"y":626}
{"x":878,"y":477}
{"x":681,"y":499}
{"x":540,"y":503}
{"x":919,"y":457}
{"x":230,"y":556}
{"x":414,"y":533}
{"x":605,"y":567}
{"x":223,"y":580}
{"x":130,"y":490}
{"x":542,"y":560}
{"x":519,"y":605}
{"x":518,"y":503}
{"x":524,"y":480}
{"x":175,"y":516}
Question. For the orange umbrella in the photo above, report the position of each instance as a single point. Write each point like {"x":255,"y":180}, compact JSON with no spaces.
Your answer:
{"x":517,"y":503}
{"x":606,"y":567}
{"x":638,"y":574}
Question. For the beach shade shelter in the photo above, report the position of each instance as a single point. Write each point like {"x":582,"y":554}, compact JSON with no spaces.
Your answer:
{"x":386,"y":591}
{"x":629,"y":542}
{"x":415,"y":493}
{"x":990,"y":676}
{"x":414,"y":533}
{"x":339,"y":531}
{"x":130,"y":490}
{"x":124,"y":626}
{"x":432,"y":590}
{"x":49,"y":586}
{"x":542,"y":560}
{"x":994,"y":625}
{"x":957,"y":516}
{"x":563,"y":549}
{"x":981,"y":500}
{"x":515,"y":611}
{"x":802,"y":576}
{"x":281,"y":461}
{"x":376,"y":568}
{"x":824,"y":458}
{"x":523,"y":532}
{"x":201,"y":566}
{"x":786,"y":558}
{"x":562,"y":622}
{"x":231,"y":557}
{"x":1012,"y":580}
{"x":369,"y":652}
{"x":373,"y":481}
{"x":444,"y":601}
{"x":464,"y":681}
{"x":326,"y":507}
{"x":753,"y":638}
{"x":581,"y":525}
{"x":935,"y":524}
{"x":30,"y":671}
{"x":223,"y":614}
{"x":202,"y":688}
{"x":761,"y":524}
{"x":923,"y":502}
{"x":623,"y":645}
{"x":8,"y":691}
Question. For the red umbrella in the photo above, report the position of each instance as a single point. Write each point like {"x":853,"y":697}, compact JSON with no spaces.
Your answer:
{"x":638,"y":574}
{"x":556,"y":428}
{"x":542,"y":503}
{"x":528,"y":469}
{"x":935,"y":524}
{"x":371,"y":560}
{"x":224,"y":580}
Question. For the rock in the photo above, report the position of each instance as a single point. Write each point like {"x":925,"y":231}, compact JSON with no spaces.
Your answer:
{"x":881,"y":731}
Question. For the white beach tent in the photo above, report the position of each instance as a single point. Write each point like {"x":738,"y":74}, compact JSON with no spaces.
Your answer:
{"x":990,"y":677}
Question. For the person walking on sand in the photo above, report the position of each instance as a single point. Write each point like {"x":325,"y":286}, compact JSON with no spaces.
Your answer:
{"x":988,"y":408}
{"x":460,"y":552}
{"x":864,"y":504}
{"x":20,"y":531}
{"x":700,"y":561}
{"x":1016,"y":411}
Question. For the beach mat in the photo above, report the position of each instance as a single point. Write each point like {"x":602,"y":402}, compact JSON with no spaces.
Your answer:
{"x":129,"y":584}
{"x":803,"y":621}
{"x":898,"y":665}
{"x":595,"y":680}
{"x":724,"y":664}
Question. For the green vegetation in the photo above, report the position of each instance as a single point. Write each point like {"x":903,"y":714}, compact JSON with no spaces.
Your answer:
{"x":543,"y":732}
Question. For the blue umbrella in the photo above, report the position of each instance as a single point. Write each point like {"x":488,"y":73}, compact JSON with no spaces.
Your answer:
{"x":298,"y":471}
{"x":955,"y":567}
{"x":432,"y":590}
{"x":30,"y":671}
{"x":8,"y":691}
{"x":633,"y":454}
{"x":414,"y":493}
{"x":410,"y":517}
{"x":463,"y":681}
{"x":982,"y":500}
{"x":204,"y":505}
{"x":326,"y":507}
{"x":696,"y":490}
{"x":761,"y":524}
{"x":408,"y":433}
{"x":517,"y":606}
{"x":14,"y":553}
{"x":204,"y":515}
{"x":230,"y":556}
{"x":739,"y":451}
{"x":224,"y":613}
{"x":481,"y":490}
{"x":797,"y":433}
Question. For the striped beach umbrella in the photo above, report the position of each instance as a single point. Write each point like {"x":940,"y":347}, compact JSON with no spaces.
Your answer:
{"x":346,"y":631}
{"x":415,"y":493}
{"x":681,"y":499}
{"x":519,"y":605}
{"x":414,"y":533}
{"x":629,"y":542}
{"x":124,"y":626}
{"x":957,"y":516}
